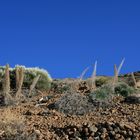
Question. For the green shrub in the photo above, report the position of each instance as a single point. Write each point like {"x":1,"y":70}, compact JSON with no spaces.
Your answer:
{"x":101,"y":81}
{"x":44,"y":82}
{"x":60,"y":87}
{"x":103,"y":93}
{"x":123,"y":89}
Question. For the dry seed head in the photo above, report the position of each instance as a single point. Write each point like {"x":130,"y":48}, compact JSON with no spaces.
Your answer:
{"x":33,"y":84}
{"x":115,"y":74}
{"x":93,"y":77}
{"x":17,"y":77}
{"x":120,"y":66}
{"x":21,"y":78}
{"x":83,"y":73}
{"x":7,"y":80}
{"x":134,"y":80}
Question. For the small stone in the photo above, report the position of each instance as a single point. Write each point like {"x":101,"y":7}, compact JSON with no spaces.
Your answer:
{"x":90,"y":138}
{"x":116,"y":130}
{"x":128,"y":138}
{"x":97,"y":138}
{"x":93,"y":129}
{"x":130,"y":133}
{"x":110,"y":128}
{"x":43,"y":99}
{"x":117,"y":136}
{"x":124,"y":132}
{"x":38,"y":133}
{"x":29,"y":113}
{"x":104,"y":130}
{"x":103,"y":136}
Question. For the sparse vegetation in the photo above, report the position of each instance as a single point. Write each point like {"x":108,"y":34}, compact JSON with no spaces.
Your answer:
{"x":103,"y":95}
{"x":66,"y":101}
{"x":123,"y":89}
{"x":44,"y":82}
{"x":102,"y":81}
{"x":11,"y":124}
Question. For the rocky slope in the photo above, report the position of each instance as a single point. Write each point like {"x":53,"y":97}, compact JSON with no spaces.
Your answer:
{"x":40,"y":119}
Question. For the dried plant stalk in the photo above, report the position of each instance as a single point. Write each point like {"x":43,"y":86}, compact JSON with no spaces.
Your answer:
{"x":83,"y":73}
{"x":120,"y":66}
{"x":17,"y":78}
{"x":134,"y":80}
{"x":115,"y":74}
{"x":21,"y":79}
{"x":6,"y":85}
{"x":117,"y":71}
{"x":33,"y":84}
{"x":93,"y":77}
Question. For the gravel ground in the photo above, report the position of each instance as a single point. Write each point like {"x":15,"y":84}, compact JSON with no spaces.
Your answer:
{"x":42,"y":121}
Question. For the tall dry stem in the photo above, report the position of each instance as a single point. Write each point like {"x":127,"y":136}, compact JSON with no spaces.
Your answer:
{"x":17,"y":78}
{"x":20,"y":83}
{"x":115,"y":74}
{"x":93,"y":77}
{"x":83,"y":73}
{"x":134,"y":80}
{"x":120,"y":66}
{"x":33,"y":85}
{"x":6,"y":85}
{"x":117,"y":71}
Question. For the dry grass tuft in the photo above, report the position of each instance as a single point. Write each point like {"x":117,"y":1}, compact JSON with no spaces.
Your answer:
{"x":11,"y":123}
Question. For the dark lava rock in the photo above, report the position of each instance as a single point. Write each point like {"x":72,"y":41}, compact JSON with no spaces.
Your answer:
{"x":2,"y":102}
{"x":44,"y":113}
{"x":28,"y":113}
{"x":133,"y":99}
{"x":99,"y":131}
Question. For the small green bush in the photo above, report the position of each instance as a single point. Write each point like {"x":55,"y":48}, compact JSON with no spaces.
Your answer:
{"x":60,"y":87}
{"x":103,"y":93}
{"x":44,"y":82}
{"x":123,"y":89}
{"x":101,"y":81}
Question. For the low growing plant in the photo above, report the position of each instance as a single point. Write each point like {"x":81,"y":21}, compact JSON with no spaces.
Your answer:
{"x":123,"y":89}
{"x":103,"y":93}
{"x":101,"y":81}
{"x":44,"y":82}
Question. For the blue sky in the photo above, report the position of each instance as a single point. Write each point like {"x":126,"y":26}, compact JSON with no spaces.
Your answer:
{"x":66,"y":36}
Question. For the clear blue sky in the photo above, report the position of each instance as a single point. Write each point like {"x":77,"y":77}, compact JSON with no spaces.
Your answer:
{"x":66,"y":36}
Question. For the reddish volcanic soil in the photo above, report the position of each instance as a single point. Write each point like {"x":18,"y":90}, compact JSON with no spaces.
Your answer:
{"x":120,"y":121}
